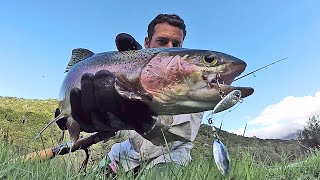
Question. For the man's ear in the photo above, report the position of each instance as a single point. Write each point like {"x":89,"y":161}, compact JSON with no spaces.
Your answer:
{"x":146,"y":42}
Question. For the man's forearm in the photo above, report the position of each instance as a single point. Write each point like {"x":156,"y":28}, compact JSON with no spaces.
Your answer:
{"x":182,"y":127}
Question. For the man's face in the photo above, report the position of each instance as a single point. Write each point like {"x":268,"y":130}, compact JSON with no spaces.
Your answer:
{"x":165,"y":35}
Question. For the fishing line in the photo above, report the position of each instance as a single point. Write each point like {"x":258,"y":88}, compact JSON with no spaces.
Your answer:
{"x":252,"y":72}
{"x":210,"y":121}
{"x":230,"y":110}
{"x":220,"y":152}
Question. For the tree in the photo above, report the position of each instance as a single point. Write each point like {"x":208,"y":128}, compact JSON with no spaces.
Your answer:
{"x":310,"y":135}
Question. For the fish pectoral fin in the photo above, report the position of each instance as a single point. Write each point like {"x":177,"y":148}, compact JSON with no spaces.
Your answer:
{"x":129,"y":90}
{"x":78,"y":55}
{"x":60,"y":116}
{"x":73,"y":129}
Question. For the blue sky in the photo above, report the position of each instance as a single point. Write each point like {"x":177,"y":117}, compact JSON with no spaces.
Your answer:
{"x":36,"y":39}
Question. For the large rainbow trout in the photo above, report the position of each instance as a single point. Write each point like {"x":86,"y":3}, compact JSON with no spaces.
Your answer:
{"x":170,"y":81}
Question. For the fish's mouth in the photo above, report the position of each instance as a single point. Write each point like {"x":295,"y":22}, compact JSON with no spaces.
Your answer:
{"x":220,"y":83}
{"x":224,"y":76}
{"x":225,"y":89}
{"x":215,"y":81}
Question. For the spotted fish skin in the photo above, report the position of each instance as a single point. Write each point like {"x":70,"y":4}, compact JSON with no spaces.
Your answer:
{"x":221,"y":157}
{"x":169,"y":81}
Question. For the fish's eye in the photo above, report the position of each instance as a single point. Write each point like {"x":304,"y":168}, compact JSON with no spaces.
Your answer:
{"x":211,"y":60}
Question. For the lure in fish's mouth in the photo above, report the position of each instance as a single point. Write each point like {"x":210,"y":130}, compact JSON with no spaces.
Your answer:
{"x":221,"y":83}
{"x":223,"y":74}
{"x":218,"y":80}
{"x":215,"y":81}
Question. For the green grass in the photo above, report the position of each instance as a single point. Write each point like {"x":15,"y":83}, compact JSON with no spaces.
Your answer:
{"x":251,"y":158}
{"x":243,"y":166}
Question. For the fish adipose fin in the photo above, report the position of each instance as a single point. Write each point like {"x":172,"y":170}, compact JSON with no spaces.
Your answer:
{"x":78,"y":55}
{"x":130,"y":91}
{"x":60,"y":116}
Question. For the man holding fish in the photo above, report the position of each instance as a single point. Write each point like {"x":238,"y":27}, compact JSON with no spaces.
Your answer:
{"x":178,"y":131}
{"x":153,"y":140}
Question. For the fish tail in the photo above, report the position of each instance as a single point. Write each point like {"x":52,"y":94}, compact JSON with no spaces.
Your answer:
{"x":60,"y":116}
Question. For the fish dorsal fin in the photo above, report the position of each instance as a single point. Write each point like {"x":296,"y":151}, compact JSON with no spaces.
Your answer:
{"x":78,"y":55}
{"x":130,"y":91}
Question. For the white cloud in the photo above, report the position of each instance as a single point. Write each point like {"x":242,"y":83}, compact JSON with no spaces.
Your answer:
{"x":281,"y":119}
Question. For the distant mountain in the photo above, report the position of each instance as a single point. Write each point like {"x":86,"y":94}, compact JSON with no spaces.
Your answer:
{"x":292,"y":136}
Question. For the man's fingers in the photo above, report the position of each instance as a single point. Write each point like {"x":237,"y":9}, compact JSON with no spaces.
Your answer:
{"x":87,"y":93}
{"x":79,"y":115}
{"x":126,"y":42}
{"x":104,"y":85}
{"x":75,"y":102}
{"x":115,"y":122}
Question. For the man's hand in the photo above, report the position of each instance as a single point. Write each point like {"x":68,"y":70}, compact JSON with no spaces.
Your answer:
{"x":126,"y":42}
{"x":98,"y":106}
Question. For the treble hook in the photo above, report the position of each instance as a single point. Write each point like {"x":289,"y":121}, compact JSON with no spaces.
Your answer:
{"x":218,"y":85}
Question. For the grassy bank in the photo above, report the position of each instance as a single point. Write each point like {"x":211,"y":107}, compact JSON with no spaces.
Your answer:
{"x":251,"y":158}
{"x":244,"y":166}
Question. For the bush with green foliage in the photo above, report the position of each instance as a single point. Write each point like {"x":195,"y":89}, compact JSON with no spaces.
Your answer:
{"x":310,"y":135}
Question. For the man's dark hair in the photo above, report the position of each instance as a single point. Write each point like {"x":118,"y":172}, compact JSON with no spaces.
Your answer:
{"x":172,"y":19}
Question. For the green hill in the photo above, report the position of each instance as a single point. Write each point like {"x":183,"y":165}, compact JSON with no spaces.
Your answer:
{"x":22,"y":119}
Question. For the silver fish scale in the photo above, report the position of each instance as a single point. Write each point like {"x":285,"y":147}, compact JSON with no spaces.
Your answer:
{"x":123,"y":62}
{"x":131,"y":58}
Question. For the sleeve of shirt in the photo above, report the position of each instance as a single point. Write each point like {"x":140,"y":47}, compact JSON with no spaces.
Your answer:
{"x":182,"y":127}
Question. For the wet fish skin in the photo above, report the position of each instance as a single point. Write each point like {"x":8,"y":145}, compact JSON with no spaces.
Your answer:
{"x":169,"y":80}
